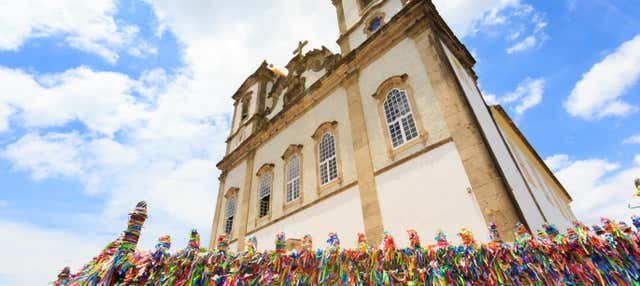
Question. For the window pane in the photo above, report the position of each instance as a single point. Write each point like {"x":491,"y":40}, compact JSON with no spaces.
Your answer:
{"x":228,"y":224}
{"x":324,"y":178}
{"x":333,"y":169}
{"x":264,"y":206}
{"x":231,"y":205}
{"x":265,"y":185}
{"x":409,"y":127}
{"x":296,"y":188}
{"x":396,"y":134}
{"x":327,"y":147}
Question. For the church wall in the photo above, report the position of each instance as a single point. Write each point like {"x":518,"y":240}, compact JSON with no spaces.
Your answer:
{"x":428,"y":193}
{"x":299,"y":131}
{"x":358,"y":35}
{"x":546,"y":200}
{"x":234,"y":179}
{"x":549,"y":194}
{"x":401,"y":59}
{"x":525,"y":201}
{"x":340,"y":213}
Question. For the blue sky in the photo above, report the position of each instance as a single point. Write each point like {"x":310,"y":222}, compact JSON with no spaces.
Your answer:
{"x":108,"y":102}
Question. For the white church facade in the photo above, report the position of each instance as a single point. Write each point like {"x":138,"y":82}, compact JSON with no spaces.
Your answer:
{"x":391,"y":133}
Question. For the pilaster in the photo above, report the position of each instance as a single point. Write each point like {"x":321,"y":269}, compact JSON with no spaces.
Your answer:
{"x":371,"y":213}
{"x":244,"y":206}
{"x":216,"y":216}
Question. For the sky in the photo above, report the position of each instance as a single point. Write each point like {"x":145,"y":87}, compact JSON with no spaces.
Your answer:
{"x":108,"y":102}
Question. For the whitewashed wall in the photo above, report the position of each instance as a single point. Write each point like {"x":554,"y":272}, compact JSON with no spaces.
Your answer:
{"x":429,"y":193}
{"x":299,"y":131}
{"x":341,"y":214}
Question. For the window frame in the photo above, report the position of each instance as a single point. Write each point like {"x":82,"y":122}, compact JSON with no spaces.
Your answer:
{"x":262,"y":171}
{"x":363,"y":8}
{"x":332,"y":129}
{"x":381,"y":95}
{"x":245,"y":103}
{"x":367,"y":23}
{"x":286,"y":157}
{"x":231,"y":193}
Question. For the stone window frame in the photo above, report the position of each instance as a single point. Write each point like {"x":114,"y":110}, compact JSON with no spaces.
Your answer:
{"x":230,"y":193}
{"x":245,"y":107}
{"x":376,"y":15}
{"x":267,"y":168}
{"x":293,"y":149}
{"x":399,"y":82}
{"x":363,"y":8}
{"x":324,"y":128}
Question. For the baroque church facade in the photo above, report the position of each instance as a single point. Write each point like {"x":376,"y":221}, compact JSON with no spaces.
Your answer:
{"x":391,"y":133}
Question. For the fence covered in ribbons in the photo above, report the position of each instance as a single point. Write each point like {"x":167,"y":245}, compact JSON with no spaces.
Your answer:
{"x":599,"y":255}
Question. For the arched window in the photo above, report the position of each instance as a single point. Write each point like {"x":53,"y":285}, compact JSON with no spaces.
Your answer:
{"x":229,"y":213}
{"x":293,"y":179}
{"x":328,"y":163}
{"x":399,"y":118}
{"x":245,"y":107}
{"x":365,"y":3}
{"x":265,"y":194}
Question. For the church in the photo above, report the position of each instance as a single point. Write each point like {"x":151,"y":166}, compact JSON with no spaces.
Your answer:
{"x":389,"y":134}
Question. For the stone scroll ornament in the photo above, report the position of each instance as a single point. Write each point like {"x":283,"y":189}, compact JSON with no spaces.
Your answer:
{"x":605,"y":254}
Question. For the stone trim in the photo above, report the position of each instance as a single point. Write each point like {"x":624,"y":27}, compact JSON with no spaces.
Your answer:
{"x":265,"y":168}
{"x":327,"y":127}
{"x":290,"y":151}
{"x":367,"y":23}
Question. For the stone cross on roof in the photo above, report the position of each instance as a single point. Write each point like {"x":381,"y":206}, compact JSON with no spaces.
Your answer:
{"x":298,"y":50}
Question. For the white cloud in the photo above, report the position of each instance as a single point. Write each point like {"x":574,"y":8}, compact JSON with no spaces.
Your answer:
{"x":632,"y":140}
{"x":467,"y":17}
{"x":527,"y":95}
{"x":598,"y":94}
{"x":525,"y":44}
{"x":101,"y":100}
{"x":557,"y":162}
{"x":86,"y":25}
{"x":34,"y":256}
{"x":52,"y":156}
{"x":599,"y":187}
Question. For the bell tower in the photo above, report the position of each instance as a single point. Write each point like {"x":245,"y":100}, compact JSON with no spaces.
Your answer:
{"x":359,"y":19}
